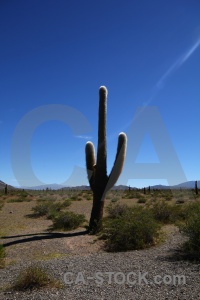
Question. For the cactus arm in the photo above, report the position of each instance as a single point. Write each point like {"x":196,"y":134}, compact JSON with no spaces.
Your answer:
{"x":119,"y":161}
{"x":90,"y":162}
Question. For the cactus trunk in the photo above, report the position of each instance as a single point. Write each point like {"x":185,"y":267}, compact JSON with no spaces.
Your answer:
{"x":99,"y":181}
{"x":6,"y":189}
{"x":97,"y":211}
{"x":196,"y":187}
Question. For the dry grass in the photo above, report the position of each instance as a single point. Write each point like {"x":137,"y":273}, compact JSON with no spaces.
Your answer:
{"x":34,"y":277}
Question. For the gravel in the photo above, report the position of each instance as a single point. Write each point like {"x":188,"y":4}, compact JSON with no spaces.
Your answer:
{"x":162,"y":261}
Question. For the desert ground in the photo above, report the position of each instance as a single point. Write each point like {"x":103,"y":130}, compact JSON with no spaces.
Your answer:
{"x":29,"y":240}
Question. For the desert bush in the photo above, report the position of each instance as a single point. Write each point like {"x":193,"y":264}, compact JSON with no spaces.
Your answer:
{"x":42,"y":208}
{"x":1,"y":205}
{"x":116,"y":210}
{"x":2,"y":251}
{"x":129,"y":195}
{"x":180,"y":201}
{"x":47,"y":198}
{"x":66,"y":203}
{"x":166,"y":213}
{"x":2,"y":256}
{"x":168,"y":197}
{"x":49,"y":208}
{"x":19,"y":199}
{"x":191,"y":229}
{"x":53,"y":211}
{"x":34,"y":277}
{"x":22,"y":196}
{"x":67,"y":220}
{"x":190,"y":209}
{"x":114,"y":199}
{"x":141,"y":200}
{"x":134,"y":229}
{"x":73,"y":198}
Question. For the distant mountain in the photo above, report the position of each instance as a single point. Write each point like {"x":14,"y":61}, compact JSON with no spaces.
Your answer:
{"x":3,"y":184}
{"x":54,"y":186}
{"x":78,"y":187}
{"x":120,"y":187}
{"x":187,"y":184}
{"x":184,"y":185}
{"x":160,"y":187}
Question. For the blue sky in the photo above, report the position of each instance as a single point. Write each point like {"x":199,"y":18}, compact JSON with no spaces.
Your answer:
{"x":147,"y":53}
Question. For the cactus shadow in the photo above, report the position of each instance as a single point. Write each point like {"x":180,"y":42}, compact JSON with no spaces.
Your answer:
{"x":21,"y":239}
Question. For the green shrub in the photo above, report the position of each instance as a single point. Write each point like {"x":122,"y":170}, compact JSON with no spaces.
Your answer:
{"x":19,"y":199}
{"x":33,"y":277}
{"x":42,"y":208}
{"x":52,"y":212}
{"x":117,"y":210}
{"x":168,"y":197}
{"x":66,"y":203}
{"x":191,"y":209}
{"x":141,"y":200}
{"x":180,"y":201}
{"x":67,"y":220}
{"x":166,"y":213}
{"x":134,"y":229}
{"x":49,"y":208}
{"x":115,"y":199}
{"x":191,"y":229}
{"x":129,"y":196}
{"x":1,"y":205}
{"x":2,"y":251}
{"x":46,"y":199}
{"x":73,"y":198}
{"x":2,"y":256}
{"x":23,"y":194}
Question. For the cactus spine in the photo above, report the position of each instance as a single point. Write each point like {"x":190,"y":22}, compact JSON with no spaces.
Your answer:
{"x":98,"y":179}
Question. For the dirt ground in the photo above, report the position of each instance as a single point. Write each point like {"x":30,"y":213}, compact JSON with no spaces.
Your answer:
{"x":28,"y":238}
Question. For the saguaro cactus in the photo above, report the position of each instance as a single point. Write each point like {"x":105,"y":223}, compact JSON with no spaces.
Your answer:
{"x":99,"y":181}
{"x":6,"y":189}
{"x":196,"y":187}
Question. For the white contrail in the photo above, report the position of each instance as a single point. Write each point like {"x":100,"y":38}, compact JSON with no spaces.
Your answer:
{"x":180,"y":61}
{"x":190,"y":52}
{"x":161,"y":82}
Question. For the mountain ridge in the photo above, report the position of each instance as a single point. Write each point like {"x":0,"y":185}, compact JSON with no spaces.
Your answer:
{"x":185,"y":185}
